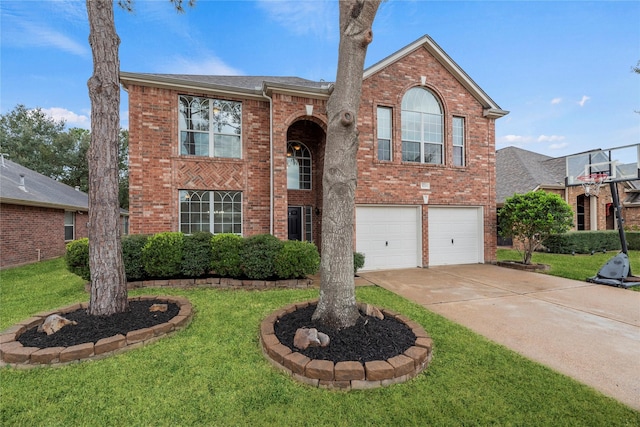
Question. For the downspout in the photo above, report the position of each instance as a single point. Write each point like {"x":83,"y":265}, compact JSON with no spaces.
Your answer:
{"x":271,"y":202}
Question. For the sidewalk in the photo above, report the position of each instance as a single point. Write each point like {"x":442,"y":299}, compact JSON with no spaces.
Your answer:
{"x":586,"y":331}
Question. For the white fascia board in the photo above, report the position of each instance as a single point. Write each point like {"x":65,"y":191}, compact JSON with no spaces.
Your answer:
{"x":491,"y":109}
{"x":322,"y":93}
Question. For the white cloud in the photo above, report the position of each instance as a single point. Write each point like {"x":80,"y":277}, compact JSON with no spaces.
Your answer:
{"x":303,"y":16}
{"x":70,"y":118}
{"x":550,"y":138}
{"x":584,"y":100}
{"x":515,"y":139}
{"x":211,"y":65}
{"x":556,"y":101}
{"x":39,"y":35}
{"x":559,"y":146}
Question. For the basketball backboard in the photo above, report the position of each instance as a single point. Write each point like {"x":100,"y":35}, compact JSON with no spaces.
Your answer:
{"x":619,"y":164}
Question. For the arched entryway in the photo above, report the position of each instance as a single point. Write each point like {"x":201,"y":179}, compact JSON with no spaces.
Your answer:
{"x":305,"y":160}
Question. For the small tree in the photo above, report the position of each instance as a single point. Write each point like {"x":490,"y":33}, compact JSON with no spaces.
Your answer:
{"x":532,"y":217}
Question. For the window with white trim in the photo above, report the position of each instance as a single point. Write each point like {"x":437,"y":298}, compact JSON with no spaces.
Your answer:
{"x":69,"y":225}
{"x":213,"y":211}
{"x":384,"y":133}
{"x":210,"y":127}
{"x":298,"y":166}
{"x":458,"y":141}
{"x":422,"y":127}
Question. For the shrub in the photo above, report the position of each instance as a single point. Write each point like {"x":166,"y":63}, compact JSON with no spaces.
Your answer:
{"x":358,"y":261}
{"x":533,"y":217}
{"x":196,"y":254}
{"x":296,"y":260}
{"x":162,"y":254}
{"x":226,"y":255}
{"x":258,"y":256}
{"x":132,"y":256}
{"x":77,"y":258}
{"x":583,"y":242}
{"x":633,"y":240}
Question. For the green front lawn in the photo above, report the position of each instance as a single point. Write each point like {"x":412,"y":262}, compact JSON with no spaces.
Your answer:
{"x":214,"y":374}
{"x":577,"y":267}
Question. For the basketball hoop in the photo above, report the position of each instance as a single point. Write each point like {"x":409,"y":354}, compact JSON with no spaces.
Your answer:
{"x":592,"y":183}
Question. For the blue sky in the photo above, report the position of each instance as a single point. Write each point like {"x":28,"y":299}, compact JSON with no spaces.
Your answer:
{"x":562,"y":68}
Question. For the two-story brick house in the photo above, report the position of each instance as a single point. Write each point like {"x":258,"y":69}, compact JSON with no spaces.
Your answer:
{"x":245,"y":155}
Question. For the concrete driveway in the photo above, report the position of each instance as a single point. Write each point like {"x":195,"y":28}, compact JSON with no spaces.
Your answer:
{"x":586,"y":331}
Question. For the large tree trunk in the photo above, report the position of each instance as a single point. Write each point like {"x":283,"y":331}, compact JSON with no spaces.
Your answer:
{"x":108,"y":282}
{"x":337,"y":304}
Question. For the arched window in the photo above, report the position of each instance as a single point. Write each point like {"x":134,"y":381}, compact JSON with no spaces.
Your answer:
{"x":422,"y":125}
{"x":298,"y":166}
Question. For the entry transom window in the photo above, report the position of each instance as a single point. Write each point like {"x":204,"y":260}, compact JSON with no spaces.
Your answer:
{"x":210,"y":127}
{"x":298,"y":166}
{"x":213,"y":211}
{"x":422,"y":124}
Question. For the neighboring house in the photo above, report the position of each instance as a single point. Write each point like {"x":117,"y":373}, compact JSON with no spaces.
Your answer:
{"x":245,"y":155}
{"x":38,"y":215}
{"x":520,"y":171}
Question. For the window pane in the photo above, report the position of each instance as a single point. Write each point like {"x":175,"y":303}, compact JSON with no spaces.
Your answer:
{"x":433,"y":153}
{"x":194,"y":211}
{"x":226,"y":146}
{"x":194,"y":143}
{"x":458,"y":157}
{"x":227,"y":212}
{"x":193,"y":113}
{"x":298,"y":166}
{"x":384,"y":149}
{"x":68,"y":232}
{"x":410,"y":151}
{"x":458,"y":141}
{"x":308,"y":221}
{"x":227,"y":117}
{"x":384,"y":133}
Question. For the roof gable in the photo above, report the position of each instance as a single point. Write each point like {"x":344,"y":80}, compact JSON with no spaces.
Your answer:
{"x":491,"y":108}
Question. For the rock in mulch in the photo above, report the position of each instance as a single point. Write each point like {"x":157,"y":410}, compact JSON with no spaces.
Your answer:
{"x":310,"y":337}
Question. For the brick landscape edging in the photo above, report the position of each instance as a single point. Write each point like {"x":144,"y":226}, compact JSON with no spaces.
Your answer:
{"x":13,"y":353}
{"x":350,"y":375}
{"x":220,"y":283}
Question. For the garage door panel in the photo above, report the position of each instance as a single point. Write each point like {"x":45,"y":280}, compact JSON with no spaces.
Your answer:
{"x":388,"y":236}
{"x":455,"y":235}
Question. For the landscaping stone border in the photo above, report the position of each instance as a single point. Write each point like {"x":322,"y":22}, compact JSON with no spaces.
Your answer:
{"x":13,"y":353}
{"x":221,"y":283}
{"x":350,"y":375}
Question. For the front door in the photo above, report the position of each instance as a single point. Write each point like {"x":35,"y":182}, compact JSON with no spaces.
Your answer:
{"x":295,"y":223}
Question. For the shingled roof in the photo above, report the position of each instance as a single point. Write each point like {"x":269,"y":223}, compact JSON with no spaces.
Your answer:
{"x":22,"y":186}
{"x":519,"y":171}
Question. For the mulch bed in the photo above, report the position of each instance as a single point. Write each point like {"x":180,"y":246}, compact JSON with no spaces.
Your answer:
{"x":370,"y":339}
{"x":94,"y":328}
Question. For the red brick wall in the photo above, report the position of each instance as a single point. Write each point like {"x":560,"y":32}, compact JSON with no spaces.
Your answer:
{"x":27,"y":229}
{"x":398,"y":182}
{"x":157,"y":171}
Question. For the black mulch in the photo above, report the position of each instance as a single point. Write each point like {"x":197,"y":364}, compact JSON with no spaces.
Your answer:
{"x":370,"y":339}
{"x":94,"y":328}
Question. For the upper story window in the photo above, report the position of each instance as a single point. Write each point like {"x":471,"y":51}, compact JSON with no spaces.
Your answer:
{"x":384,"y":133}
{"x":422,"y":124}
{"x":210,"y":127}
{"x":298,"y":166}
{"x":458,"y":141}
{"x":69,"y":225}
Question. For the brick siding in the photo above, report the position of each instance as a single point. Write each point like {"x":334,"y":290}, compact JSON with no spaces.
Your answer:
{"x":31,"y":233}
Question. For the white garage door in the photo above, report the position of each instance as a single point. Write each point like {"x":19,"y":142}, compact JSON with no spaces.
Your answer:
{"x":455,"y":235}
{"x":389,"y":236}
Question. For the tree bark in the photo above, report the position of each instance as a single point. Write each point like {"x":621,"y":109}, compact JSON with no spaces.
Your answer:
{"x":337,"y":304}
{"x":108,"y":281}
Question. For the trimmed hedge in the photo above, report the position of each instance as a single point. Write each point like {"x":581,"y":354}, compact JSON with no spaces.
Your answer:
{"x":196,"y":254}
{"x":77,"y":258}
{"x":258,"y":255}
{"x":296,"y":260}
{"x":173,"y":255}
{"x":132,"y":245}
{"x":583,"y":242}
{"x":225,"y":255}
{"x":162,"y":254}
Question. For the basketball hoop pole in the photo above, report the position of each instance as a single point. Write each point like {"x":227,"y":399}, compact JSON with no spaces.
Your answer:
{"x":618,"y":209}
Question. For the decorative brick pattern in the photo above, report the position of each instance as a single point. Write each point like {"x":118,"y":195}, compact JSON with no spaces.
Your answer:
{"x":348,"y":375}
{"x":13,"y":353}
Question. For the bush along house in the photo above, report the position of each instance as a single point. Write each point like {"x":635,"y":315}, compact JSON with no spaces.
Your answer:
{"x":245,"y":154}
